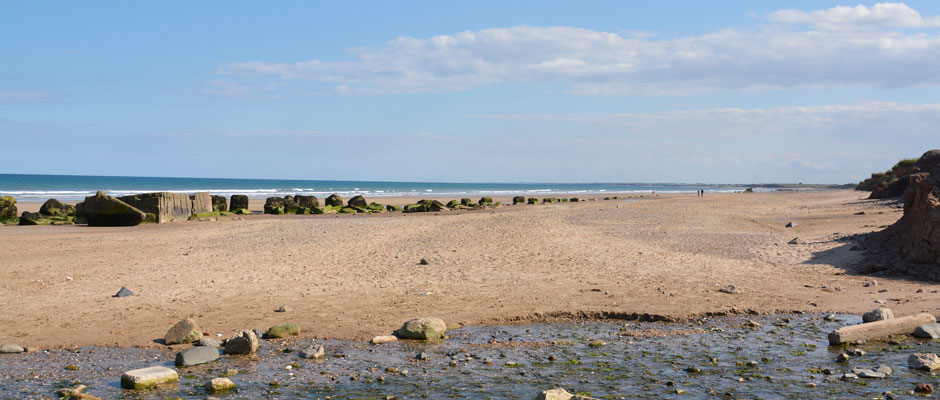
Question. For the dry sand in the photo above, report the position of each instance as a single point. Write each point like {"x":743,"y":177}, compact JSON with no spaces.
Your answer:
{"x":355,"y":277}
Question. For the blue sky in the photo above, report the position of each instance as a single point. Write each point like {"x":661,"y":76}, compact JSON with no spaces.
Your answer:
{"x":682,"y":91}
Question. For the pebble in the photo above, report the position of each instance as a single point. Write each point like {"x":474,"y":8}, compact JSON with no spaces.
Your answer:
{"x":730,"y":289}
{"x":123,"y":292}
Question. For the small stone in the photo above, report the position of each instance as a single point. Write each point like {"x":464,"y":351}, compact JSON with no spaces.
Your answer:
{"x":878,"y":314}
{"x":185,"y":331}
{"x":796,"y":240}
{"x":827,"y":371}
{"x":11,"y":349}
{"x":869,"y":374}
{"x":246,"y":342}
{"x":197,"y":355}
{"x":856,"y":352}
{"x":145,"y":378}
{"x":919,"y":290}
{"x":843,"y":357}
{"x":923,"y":361}
{"x":70,"y":392}
{"x":730,"y":289}
{"x":284,"y":309}
{"x":847,"y":376}
{"x":924,"y":388}
{"x":422,"y":356}
{"x":282,"y":331}
{"x":487,"y":360}
{"x":928,"y":331}
{"x":831,"y":317}
{"x":791,"y":224}
{"x":209,"y":342}
{"x":313,"y":352}
{"x":220,"y":384}
{"x":383,"y":339}
{"x":753,"y":324}
{"x":124,"y":292}
{"x":810,"y":385}
{"x":597,"y":343}
{"x":884,"y":369}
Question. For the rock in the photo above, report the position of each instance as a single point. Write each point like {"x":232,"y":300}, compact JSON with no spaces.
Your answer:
{"x":466,"y":202}
{"x":894,"y":326}
{"x":791,"y":224}
{"x":238,"y":202}
{"x":55,"y":208}
{"x":220,"y":384}
{"x":218,"y":203}
{"x":518,"y":200}
{"x":163,"y":207}
{"x":884,"y":369}
{"x":429,"y":261}
{"x":11,"y":349}
{"x":307,"y":201}
{"x":146,"y":378}
{"x":313,"y":352}
{"x":831,"y":317}
{"x":282,"y":331}
{"x":7,"y":208}
{"x":185,"y":331}
{"x":422,"y":356}
{"x":334,"y":200}
{"x":878,"y":314}
{"x":71,"y":392}
{"x":923,"y":361}
{"x":928,"y":331}
{"x":197,"y":355}
{"x":796,"y":241}
{"x":532,"y":200}
{"x":486,"y":201}
{"x":562,"y":394}
{"x":357,"y":201}
{"x":848,"y":376}
{"x":383,"y":339}
{"x":274,"y":205}
{"x":246,"y":342}
{"x":123,"y":292}
{"x":392,"y":208}
{"x":752,"y":323}
{"x":104,"y":210}
{"x":422,"y":329}
{"x":923,"y":388}
{"x":29,"y":218}
{"x":843,"y":357}
{"x":209,"y":342}
{"x":284,"y":309}
{"x":730,"y":289}
{"x":856,"y":352}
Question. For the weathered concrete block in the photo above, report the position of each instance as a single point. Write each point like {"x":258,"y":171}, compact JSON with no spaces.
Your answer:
{"x":201,"y":202}
{"x":197,"y":355}
{"x":895,"y":326}
{"x":238,"y":202}
{"x":166,"y":206}
{"x":104,"y":210}
{"x":146,"y":378}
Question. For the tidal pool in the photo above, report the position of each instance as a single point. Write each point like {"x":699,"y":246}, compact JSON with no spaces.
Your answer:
{"x":720,"y":357}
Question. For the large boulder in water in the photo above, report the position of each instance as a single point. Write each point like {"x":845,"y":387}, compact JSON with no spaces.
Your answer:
{"x":238,"y":202}
{"x":104,"y":210}
{"x":358,"y":201}
{"x":55,"y":208}
{"x":916,"y":235}
{"x":334,"y":200}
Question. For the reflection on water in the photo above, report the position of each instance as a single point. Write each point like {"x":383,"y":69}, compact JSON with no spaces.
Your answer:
{"x":721,"y":358}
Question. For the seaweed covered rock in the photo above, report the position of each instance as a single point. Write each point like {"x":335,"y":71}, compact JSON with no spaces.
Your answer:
{"x":238,"y":202}
{"x":518,"y":200}
{"x":274,"y":205}
{"x":375,"y":208}
{"x":466,"y":202}
{"x":104,"y":210}
{"x":307,"y":201}
{"x":453,"y":204}
{"x":55,"y":208}
{"x":334,"y":200}
{"x":7,"y":208}
{"x":485,"y":201}
{"x":357,"y":201}
{"x":392,"y":208}
{"x":532,"y":200}
{"x":30,"y":218}
{"x":218,"y":203}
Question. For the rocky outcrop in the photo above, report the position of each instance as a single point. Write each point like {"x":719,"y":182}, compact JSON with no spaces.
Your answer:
{"x":55,"y":208}
{"x":218,"y":203}
{"x":104,"y":210}
{"x":238,"y":202}
{"x":892,"y":183}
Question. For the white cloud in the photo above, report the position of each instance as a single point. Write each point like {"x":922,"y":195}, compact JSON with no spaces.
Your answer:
{"x":27,"y":95}
{"x":894,"y":15}
{"x":782,"y":54}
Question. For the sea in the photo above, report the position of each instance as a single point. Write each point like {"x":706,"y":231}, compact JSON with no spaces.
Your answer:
{"x":77,"y":187}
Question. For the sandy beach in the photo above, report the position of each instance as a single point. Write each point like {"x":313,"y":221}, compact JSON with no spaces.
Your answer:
{"x":354,"y":277}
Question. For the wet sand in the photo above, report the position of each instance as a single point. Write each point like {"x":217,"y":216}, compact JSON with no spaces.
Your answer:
{"x":354,"y":277}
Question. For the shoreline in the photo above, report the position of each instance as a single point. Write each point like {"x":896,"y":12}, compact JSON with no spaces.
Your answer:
{"x":355,"y":277}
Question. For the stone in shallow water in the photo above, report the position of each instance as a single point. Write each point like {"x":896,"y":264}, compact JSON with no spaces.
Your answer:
{"x":383,"y":339}
{"x":197,"y":355}
{"x":246,"y":342}
{"x":145,"y":378}
{"x":928,"y":331}
{"x":923,"y":361}
{"x":208,"y":341}
{"x":879,"y":314}
{"x":313,"y":352}
{"x":220,"y":384}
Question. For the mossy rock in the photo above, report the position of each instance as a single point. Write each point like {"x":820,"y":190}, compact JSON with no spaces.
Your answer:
{"x":307,"y":201}
{"x":347,"y":210}
{"x":546,"y":200}
{"x":238,"y":202}
{"x":242,"y":211}
{"x":275,"y":205}
{"x":422,"y":329}
{"x":392,"y":207}
{"x":467,"y":202}
{"x":453,"y":204}
{"x":375,"y":207}
{"x":283,"y":331}
{"x":533,"y":200}
{"x":334,"y":200}
{"x":303,"y":211}
{"x":55,"y":208}
{"x":486,"y":200}
{"x":357,"y":201}
{"x":518,"y":200}
{"x":104,"y":210}
{"x":206,"y":215}
{"x":574,"y":200}
{"x":7,"y":208}
{"x":7,"y":201}
{"x":413,"y":208}
{"x":316,"y":210}
{"x":218,"y":203}
{"x":29,"y":218}
{"x":150,"y":219}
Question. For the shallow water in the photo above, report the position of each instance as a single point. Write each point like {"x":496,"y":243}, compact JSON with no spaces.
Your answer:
{"x":635,"y":360}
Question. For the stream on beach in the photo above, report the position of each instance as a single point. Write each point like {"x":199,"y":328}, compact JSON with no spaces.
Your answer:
{"x":722,"y":357}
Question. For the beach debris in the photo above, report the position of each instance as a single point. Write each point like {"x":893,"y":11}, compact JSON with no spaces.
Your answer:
{"x":383,"y":339}
{"x":282,"y":331}
{"x":284,"y":309}
{"x":425,"y":328}
{"x":791,"y":224}
{"x":209,"y":342}
{"x":11,"y":349}
{"x":796,"y":240}
{"x":245,"y":342}
{"x":928,"y":331}
{"x":895,"y":326}
{"x":923,"y":361}
{"x":197,"y":355}
{"x":220,"y":385}
{"x":185,"y":331}
{"x":925,"y":388}
{"x":878,"y":314}
{"x":730,"y":289}
{"x":124,"y":292}
{"x":145,"y":378}
{"x":313,"y":352}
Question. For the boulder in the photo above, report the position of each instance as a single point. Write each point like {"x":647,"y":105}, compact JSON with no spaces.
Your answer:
{"x":375,"y":208}
{"x":29,"y":218}
{"x":238,"y":202}
{"x":518,"y":200}
{"x":104,"y":210}
{"x":878,"y":315}
{"x":392,"y":208}
{"x":55,"y":208}
{"x":433,"y":205}
{"x":928,"y":331}
{"x":197,"y":355}
{"x":466,"y":202}
{"x":220,"y":385}
{"x":422,"y":329}
{"x":334,"y":200}
{"x":274,"y":205}
{"x":358,"y":201}
{"x":7,"y":208}
{"x":282,"y":331}
{"x":313,"y":352}
{"x":307,"y":201}
{"x":245,"y":342}
{"x":218,"y":203}
{"x":146,"y":378}
{"x":923,"y":362}
{"x":453,"y":204}
{"x":486,"y":201}
{"x":185,"y":331}
{"x":532,"y":200}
